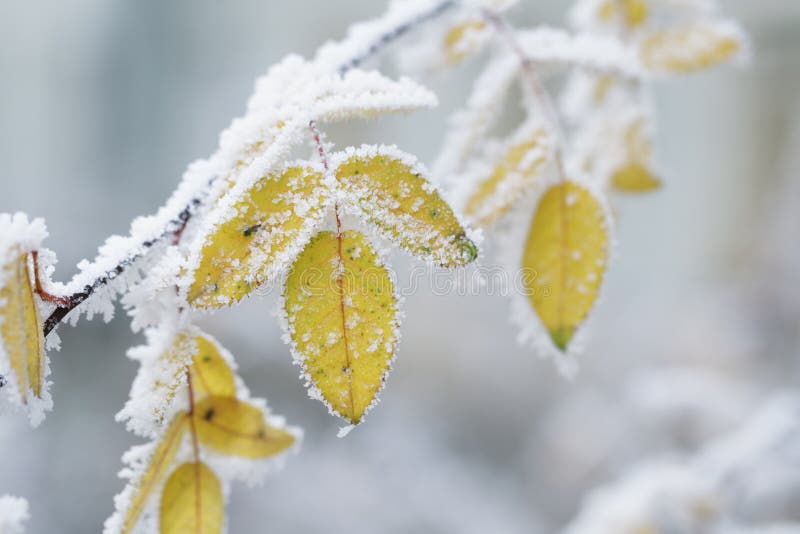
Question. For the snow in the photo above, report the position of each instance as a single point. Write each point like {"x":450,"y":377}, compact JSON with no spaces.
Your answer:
{"x":716,"y":490}
{"x":13,"y":513}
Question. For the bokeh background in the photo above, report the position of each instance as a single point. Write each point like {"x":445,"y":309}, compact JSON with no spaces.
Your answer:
{"x":103,"y":103}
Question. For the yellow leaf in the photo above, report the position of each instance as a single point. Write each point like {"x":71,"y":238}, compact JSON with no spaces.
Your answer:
{"x":342,"y":316}
{"x":157,"y":466}
{"x":265,"y":226}
{"x":565,"y":257}
{"x":457,"y":44}
{"x":634,"y":12}
{"x":211,"y":374}
{"x":231,"y":426}
{"x":192,"y":501}
{"x":634,"y":178}
{"x":513,"y":174}
{"x":21,"y":327}
{"x":634,"y":174}
{"x":691,"y":48}
{"x":409,"y":210}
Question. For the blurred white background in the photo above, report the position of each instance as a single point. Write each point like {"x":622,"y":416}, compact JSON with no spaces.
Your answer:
{"x":103,"y":103}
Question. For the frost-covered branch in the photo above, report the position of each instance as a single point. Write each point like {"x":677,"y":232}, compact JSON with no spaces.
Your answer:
{"x":363,"y":42}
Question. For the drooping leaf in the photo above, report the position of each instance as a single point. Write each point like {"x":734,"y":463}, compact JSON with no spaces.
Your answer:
{"x":512,"y":175}
{"x":390,"y":190}
{"x":234,"y":427}
{"x":257,"y":236}
{"x":211,"y":374}
{"x":311,"y":88}
{"x":21,"y":327}
{"x":565,"y":257}
{"x":342,"y":317}
{"x":192,"y":501}
{"x":367,"y":94}
{"x":634,"y":175}
{"x":462,"y":40}
{"x":691,"y":48}
{"x":158,"y":464}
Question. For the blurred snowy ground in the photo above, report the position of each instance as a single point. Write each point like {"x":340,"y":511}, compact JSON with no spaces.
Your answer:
{"x":684,"y":418}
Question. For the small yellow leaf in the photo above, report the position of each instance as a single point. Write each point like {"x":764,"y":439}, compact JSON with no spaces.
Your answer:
{"x":691,"y":48}
{"x":565,"y":254}
{"x":514,"y":173}
{"x":459,"y":42}
{"x":231,"y":426}
{"x":157,"y":466}
{"x":192,"y":501}
{"x":634,"y":174}
{"x":342,"y":316}
{"x":634,"y":12}
{"x":410,"y":211}
{"x":263,"y":228}
{"x":211,"y":374}
{"x":634,"y":178}
{"x":21,"y":327}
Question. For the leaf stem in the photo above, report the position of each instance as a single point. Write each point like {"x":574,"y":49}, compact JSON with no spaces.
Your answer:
{"x":46,"y":296}
{"x":190,"y":413}
{"x":528,"y":66}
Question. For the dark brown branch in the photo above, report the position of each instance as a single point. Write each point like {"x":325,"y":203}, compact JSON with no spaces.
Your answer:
{"x":68,"y":303}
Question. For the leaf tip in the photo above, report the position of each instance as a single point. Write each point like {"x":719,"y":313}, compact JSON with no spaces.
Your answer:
{"x":561,"y":336}
{"x":468,"y":248}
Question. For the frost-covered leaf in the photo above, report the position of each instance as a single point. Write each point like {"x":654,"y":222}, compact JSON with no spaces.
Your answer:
{"x":210,"y":373}
{"x":389,"y":188}
{"x":366,"y":94}
{"x":342,"y":319}
{"x":512,"y":175}
{"x":690,"y":48}
{"x":594,"y":52}
{"x":234,"y":427}
{"x":163,"y":361}
{"x":156,"y":467}
{"x":565,"y":257}
{"x":255,"y":238}
{"x":21,"y":327}
{"x":23,"y":361}
{"x":634,"y":174}
{"x":464,"y":39}
{"x":635,"y":178}
{"x":192,"y":501}
{"x":315,"y":90}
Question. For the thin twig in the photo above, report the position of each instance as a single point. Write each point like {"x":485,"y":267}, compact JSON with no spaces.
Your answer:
{"x":397,"y":32}
{"x":174,"y":229}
